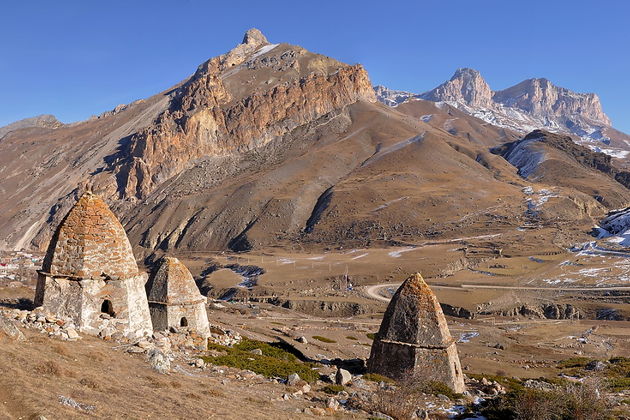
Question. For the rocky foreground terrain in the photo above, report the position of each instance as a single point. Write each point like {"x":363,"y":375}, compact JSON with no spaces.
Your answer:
{"x":300,"y":197}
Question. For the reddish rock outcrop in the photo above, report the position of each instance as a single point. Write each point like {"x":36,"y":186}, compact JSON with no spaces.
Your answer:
{"x":209,"y":115}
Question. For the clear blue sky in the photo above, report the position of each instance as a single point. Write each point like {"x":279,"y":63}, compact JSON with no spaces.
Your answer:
{"x":79,"y":58}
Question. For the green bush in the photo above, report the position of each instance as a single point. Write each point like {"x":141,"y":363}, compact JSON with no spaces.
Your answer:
{"x":371,"y":336}
{"x":274,"y":362}
{"x":375,"y":377}
{"x":333,"y":389}
{"x":324,"y":339}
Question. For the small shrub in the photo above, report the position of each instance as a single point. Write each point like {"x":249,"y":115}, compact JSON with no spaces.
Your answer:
{"x":371,"y":336}
{"x":323,"y":339}
{"x":89,"y":383}
{"x":333,"y":389}
{"x":351,"y":338}
{"x":375,"y":377}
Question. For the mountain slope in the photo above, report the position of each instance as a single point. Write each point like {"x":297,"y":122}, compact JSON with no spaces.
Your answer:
{"x":556,"y":160}
{"x":272,"y":145}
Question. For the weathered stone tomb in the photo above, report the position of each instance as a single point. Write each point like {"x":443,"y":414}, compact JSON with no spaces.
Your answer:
{"x":90,"y":275}
{"x":414,"y":339}
{"x":175,"y":300}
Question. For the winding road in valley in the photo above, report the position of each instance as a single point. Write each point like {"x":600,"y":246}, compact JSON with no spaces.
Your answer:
{"x":374,"y":290}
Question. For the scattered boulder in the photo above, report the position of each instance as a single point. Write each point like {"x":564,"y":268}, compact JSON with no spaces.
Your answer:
{"x":595,"y":365}
{"x":293,"y":379}
{"x":159,"y":361}
{"x":343,"y":377}
{"x":9,"y":329}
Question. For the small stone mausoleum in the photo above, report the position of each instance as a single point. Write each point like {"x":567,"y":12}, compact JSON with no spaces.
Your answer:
{"x":89,"y":273}
{"x":414,"y":339}
{"x":175,"y":300}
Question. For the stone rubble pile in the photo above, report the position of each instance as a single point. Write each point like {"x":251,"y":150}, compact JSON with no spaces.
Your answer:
{"x":175,"y":339}
{"x":53,"y":326}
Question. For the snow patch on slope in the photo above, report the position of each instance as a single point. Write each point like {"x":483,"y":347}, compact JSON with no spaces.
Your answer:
{"x":525,"y":159}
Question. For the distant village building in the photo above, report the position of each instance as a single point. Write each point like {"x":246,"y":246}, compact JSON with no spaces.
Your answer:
{"x":90,"y":274}
{"x":414,"y":339}
{"x":175,"y":300}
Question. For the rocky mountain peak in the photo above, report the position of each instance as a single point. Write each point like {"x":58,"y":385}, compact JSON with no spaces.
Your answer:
{"x":466,"y":72}
{"x":254,"y":37}
{"x":466,"y":86}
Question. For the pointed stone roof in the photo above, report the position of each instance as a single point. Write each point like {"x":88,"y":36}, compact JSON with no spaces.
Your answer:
{"x":173,"y":284}
{"x":90,"y":243}
{"x":414,"y":316}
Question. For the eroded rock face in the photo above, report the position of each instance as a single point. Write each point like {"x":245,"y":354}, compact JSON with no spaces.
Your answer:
{"x":90,"y":271}
{"x":540,"y":97}
{"x":175,"y":300}
{"x":414,"y":339}
{"x":211,"y":115}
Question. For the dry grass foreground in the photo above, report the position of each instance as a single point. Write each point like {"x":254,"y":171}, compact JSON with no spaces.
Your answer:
{"x":36,"y":373}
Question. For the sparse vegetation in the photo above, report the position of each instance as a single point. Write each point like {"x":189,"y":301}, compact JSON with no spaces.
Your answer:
{"x":274,"y":362}
{"x":371,"y":336}
{"x":351,"y":338}
{"x":615,"y":373}
{"x":324,"y":339}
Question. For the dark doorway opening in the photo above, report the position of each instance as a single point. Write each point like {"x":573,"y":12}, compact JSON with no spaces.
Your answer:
{"x":183,"y":322}
{"x":108,"y":308}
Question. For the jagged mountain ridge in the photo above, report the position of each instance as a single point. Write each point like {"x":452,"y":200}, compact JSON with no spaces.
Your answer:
{"x":529,"y":105}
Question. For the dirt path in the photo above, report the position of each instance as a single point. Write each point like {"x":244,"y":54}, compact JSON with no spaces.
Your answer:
{"x":374,"y":290}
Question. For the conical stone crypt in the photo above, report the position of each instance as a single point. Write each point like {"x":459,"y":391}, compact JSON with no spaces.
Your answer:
{"x":414,"y":339}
